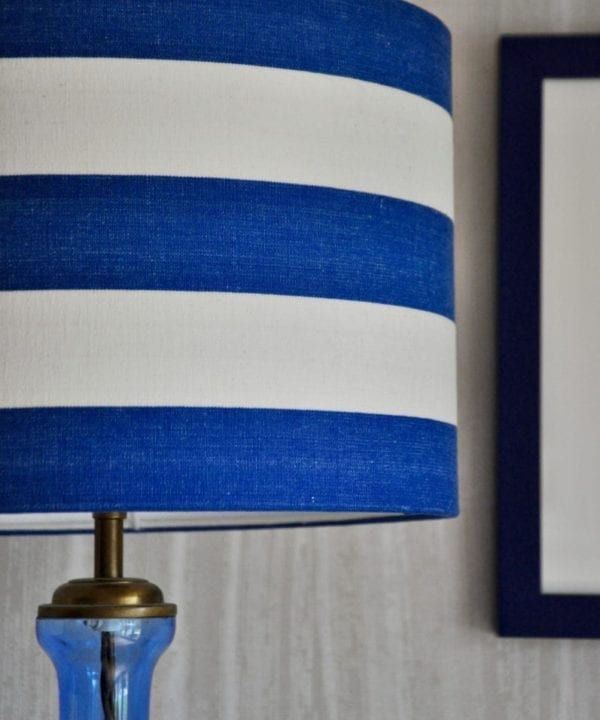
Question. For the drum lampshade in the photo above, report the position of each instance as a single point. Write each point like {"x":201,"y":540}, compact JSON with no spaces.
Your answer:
{"x":225,"y":262}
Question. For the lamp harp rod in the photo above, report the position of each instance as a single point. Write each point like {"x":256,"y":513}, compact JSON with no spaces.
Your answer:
{"x":108,"y":544}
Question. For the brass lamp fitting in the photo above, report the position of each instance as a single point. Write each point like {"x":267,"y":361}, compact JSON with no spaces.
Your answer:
{"x":108,"y":594}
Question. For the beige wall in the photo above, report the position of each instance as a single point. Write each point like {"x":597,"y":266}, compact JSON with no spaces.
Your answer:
{"x":371,"y":623}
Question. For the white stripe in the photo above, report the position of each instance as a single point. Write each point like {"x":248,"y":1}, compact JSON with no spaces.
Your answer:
{"x":197,"y":119}
{"x":137,"y":348}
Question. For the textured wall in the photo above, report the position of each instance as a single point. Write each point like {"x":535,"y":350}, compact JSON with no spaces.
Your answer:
{"x":373,"y":622}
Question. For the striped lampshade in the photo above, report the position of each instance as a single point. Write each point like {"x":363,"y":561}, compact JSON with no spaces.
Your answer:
{"x":225,"y":262}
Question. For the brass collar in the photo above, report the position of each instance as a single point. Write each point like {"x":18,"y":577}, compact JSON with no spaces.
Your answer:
{"x":107,"y":598}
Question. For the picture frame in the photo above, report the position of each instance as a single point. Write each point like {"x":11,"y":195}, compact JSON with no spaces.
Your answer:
{"x":545,"y":399}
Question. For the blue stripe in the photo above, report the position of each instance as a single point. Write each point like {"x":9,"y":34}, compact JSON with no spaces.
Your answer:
{"x":83,"y":459}
{"x":383,"y":41}
{"x":154,"y":233}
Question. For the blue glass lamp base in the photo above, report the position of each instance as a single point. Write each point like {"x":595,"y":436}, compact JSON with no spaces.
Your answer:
{"x":105,"y":666}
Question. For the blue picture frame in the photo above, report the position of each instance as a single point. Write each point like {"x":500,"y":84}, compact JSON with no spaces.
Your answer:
{"x":523,"y":610}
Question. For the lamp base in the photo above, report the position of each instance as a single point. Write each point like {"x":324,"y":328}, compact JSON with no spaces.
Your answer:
{"x":104,"y":665}
{"x":104,"y":634}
